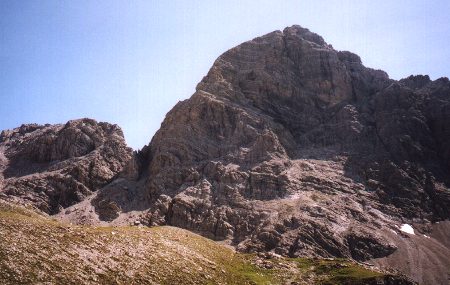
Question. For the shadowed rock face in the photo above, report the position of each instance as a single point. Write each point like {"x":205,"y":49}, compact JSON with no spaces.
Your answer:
{"x":287,"y":145}
{"x":54,"y":166}
{"x":284,"y":115}
{"x":290,"y":146}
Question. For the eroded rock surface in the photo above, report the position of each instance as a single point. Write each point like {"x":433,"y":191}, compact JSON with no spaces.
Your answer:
{"x":290,"y":146}
{"x":287,"y":146}
{"x":284,"y":117}
{"x":54,"y":166}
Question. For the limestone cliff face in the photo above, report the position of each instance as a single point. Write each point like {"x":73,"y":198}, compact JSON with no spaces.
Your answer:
{"x":285,"y":99}
{"x":286,"y":146}
{"x":290,"y":146}
{"x":54,"y":166}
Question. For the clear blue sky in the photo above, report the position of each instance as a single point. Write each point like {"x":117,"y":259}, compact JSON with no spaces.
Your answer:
{"x":129,"y":62}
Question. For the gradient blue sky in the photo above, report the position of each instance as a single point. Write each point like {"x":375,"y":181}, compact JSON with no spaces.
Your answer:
{"x":129,"y":62}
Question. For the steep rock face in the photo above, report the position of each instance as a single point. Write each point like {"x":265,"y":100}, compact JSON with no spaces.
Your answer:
{"x":290,"y":146}
{"x":286,"y":146}
{"x":54,"y":166}
{"x":286,"y":97}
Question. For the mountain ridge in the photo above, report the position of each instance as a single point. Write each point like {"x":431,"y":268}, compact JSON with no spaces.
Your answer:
{"x":291,"y":147}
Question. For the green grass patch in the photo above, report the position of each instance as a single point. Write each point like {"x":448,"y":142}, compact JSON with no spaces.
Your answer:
{"x":36,"y":249}
{"x":242,"y":271}
{"x":336,"y":271}
{"x":353,"y":274}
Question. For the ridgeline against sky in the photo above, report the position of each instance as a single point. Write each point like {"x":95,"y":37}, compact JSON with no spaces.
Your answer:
{"x":130,"y":62}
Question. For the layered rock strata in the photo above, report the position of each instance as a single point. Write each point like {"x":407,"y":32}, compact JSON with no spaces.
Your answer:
{"x":52,"y":167}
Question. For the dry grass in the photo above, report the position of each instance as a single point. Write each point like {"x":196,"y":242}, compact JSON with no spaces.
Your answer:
{"x":38,"y":250}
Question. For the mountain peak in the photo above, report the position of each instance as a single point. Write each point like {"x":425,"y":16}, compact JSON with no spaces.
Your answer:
{"x":287,"y":146}
{"x":303,"y":33}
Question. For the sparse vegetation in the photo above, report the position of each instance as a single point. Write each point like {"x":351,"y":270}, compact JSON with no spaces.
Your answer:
{"x":337,"y":271}
{"x":35,"y":249}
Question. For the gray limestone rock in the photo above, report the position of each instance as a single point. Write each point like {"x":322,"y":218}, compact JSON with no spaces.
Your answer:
{"x":54,"y":166}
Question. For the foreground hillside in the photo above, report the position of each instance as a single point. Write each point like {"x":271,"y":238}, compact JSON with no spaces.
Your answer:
{"x":37,"y":250}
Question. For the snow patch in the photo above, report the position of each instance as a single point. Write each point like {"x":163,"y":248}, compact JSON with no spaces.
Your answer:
{"x":393,"y":231}
{"x":407,"y":229}
{"x":426,"y":236}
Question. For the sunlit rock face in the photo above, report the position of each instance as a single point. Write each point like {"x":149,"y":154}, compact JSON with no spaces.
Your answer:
{"x":287,"y":146}
{"x":290,"y":146}
{"x":52,"y":167}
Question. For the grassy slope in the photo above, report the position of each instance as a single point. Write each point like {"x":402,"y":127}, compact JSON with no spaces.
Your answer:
{"x":37,"y":250}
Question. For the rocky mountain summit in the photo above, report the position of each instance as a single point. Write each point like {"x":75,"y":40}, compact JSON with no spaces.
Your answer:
{"x":55,"y":166}
{"x":287,"y":146}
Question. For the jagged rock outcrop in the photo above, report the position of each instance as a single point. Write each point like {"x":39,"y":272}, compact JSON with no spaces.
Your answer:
{"x":287,"y":146}
{"x":290,"y":146}
{"x":54,"y":166}
{"x":284,"y":115}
